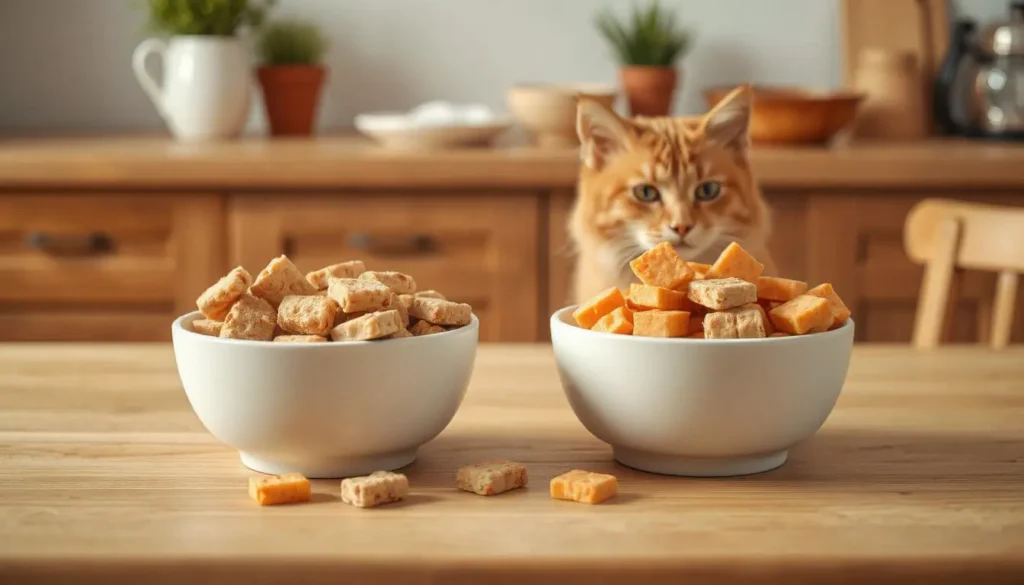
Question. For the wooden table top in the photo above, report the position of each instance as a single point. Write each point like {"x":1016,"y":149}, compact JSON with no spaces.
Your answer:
{"x":918,"y":476}
{"x":346,"y":162}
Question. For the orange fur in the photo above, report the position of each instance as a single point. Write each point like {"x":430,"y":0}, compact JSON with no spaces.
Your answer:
{"x":610,"y":226}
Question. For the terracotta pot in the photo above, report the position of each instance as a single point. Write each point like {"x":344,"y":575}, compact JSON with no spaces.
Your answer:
{"x":291,"y":95}
{"x":649,"y":89}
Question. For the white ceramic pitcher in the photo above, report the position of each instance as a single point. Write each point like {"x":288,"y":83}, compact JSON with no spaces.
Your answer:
{"x":206,"y":86}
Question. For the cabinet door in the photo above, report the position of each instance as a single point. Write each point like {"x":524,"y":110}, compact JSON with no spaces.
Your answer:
{"x":105,"y":267}
{"x":479,"y":248}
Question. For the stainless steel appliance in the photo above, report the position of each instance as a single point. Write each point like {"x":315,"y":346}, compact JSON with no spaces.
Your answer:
{"x":980,"y":87}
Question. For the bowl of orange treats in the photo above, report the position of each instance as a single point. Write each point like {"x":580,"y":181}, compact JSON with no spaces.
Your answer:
{"x":338,"y":372}
{"x":704,"y":370}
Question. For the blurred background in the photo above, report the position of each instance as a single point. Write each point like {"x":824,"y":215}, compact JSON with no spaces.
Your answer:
{"x":435,"y":137}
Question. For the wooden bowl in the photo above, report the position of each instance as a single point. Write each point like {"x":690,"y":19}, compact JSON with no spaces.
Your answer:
{"x":548,"y":111}
{"x":784,"y":115}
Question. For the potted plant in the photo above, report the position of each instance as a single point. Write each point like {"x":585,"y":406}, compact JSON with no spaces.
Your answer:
{"x":291,"y":76}
{"x":647,"y":46}
{"x":206,"y":67}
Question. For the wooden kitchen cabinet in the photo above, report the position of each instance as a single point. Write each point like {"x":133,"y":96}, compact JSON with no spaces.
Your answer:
{"x":107,"y":267}
{"x":480,"y":248}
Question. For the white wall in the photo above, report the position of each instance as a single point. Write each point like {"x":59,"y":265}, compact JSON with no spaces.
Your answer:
{"x":64,"y":64}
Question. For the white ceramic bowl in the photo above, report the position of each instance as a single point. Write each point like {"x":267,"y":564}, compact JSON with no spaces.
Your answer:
{"x":700,"y":407}
{"x":325,"y":410}
{"x":393,"y":130}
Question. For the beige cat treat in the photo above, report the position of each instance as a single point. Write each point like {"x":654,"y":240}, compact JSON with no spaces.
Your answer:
{"x":367,"y":327}
{"x":425,"y":328}
{"x":399,"y":283}
{"x":491,"y":478}
{"x":216,"y":301}
{"x":355,"y":295}
{"x":279,"y":279}
{"x":739,"y":323}
{"x":319,"y":278}
{"x":300,"y":339}
{"x":431,"y":294}
{"x":721,"y":294}
{"x":440,"y":312}
{"x":401,"y":334}
{"x":376,"y":489}
{"x":403,"y":311}
{"x":307,"y":315}
{"x":207,"y":327}
{"x":250,"y":318}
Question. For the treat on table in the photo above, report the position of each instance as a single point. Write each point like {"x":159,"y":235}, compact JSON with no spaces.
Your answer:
{"x":491,"y":478}
{"x":584,"y":486}
{"x":438,"y":312}
{"x":307,"y":315}
{"x":320,"y":278}
{"x":279,"y":279}
{"x":300,"y":339}
{"x":279,"y":489}
{"x":740,"y":323}
{"x":424,"y":328}
{"x":207,"y":327}
{"x":369,"y":326}
{"x":250,"y":318}
{"x":399,"y":283}
{"x":376,"y":489}
{"x":662,"y":267}
{"x":729,"y":299}
{"x":353,"y":294}
{"x":217,"y":300}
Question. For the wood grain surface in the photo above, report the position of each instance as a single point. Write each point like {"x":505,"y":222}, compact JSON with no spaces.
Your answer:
{"x":337,"y":162}
{"x":106,"y":476}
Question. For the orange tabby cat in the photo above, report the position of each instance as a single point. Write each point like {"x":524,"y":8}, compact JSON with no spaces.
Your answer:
{"x":649,"y":180}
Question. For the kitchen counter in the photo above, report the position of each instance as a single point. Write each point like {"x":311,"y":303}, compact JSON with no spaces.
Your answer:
{"x":347,"y":162}
{"x":106,"y":476}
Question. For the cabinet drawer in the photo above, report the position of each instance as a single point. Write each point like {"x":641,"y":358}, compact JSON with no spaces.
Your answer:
{"x":476,"y":248}
{"x":99,"y":262}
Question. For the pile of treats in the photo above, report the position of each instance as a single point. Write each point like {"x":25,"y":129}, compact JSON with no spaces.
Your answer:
{"x":385,"y":487}
{"x":726,"y":300}
{"x":342,"y":302}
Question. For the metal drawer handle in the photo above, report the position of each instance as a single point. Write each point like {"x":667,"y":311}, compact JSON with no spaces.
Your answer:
{"x":392,"y":245}
{"x":81,"y":245}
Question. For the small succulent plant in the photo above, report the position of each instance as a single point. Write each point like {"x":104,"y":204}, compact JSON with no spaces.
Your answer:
{"x":649,"y":37}
{"x":291,"y":43}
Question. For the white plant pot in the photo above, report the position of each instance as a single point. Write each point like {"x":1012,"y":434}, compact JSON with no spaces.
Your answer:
{"x":206,"y":86}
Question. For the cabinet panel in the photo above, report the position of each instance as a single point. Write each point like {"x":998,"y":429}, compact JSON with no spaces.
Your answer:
{"x":476,"y":248}
{"x":105,"y":266}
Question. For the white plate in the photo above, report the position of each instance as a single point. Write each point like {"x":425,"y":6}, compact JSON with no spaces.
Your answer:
{"x":395,"y":131}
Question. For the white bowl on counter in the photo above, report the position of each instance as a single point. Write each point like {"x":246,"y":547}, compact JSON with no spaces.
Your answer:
{"x":548,"y":110}
{"x":700,"y":407}
{"x":325,"y":409}
{"x":434,"y":125}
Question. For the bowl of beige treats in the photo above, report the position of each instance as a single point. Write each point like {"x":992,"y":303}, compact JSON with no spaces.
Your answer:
{"x":704,"y":370}
{"x":338,"y":372}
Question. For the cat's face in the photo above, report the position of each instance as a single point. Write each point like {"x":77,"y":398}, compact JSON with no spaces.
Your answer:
{"x":677,"y":180}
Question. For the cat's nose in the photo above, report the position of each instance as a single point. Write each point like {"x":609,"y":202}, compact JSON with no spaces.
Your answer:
{"x":682,"y":229}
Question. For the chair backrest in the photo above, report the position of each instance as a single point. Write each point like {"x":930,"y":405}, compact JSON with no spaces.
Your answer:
{"x":945,"y":235}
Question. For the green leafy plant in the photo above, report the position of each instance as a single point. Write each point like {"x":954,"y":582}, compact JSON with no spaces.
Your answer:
{"x":649,"y":37}
{"x":291,"y":43}
{"x":206,"y":17}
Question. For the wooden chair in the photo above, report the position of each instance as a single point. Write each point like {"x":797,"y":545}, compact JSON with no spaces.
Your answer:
{"x":947,"y":235}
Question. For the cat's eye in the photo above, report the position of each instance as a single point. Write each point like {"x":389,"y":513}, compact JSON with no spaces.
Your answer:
{"x":707,"y":191}
{"x":646,"y":193}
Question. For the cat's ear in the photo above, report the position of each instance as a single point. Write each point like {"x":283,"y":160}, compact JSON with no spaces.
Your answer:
{"x":728,"y":123}
{"x":602,"y":132}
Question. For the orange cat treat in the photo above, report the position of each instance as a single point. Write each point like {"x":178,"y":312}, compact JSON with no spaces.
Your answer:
{"x":736,"y":262}
{"x":700,"y":271}
{"x":840,"y":312}
{"x":618,"y":321}
{"x":289,"y":488}
{"x":588,"y":314}
{"x":722,"y":294}
{"x":661,"y":266}
{"x":645,"y":297}
{"x":661,"y":324}
{"x":779,"y":289}
{"x":803,"y":314}
{"x":739,"y":323}
{"x":207,"y":327}
{"x":584,"y":487}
